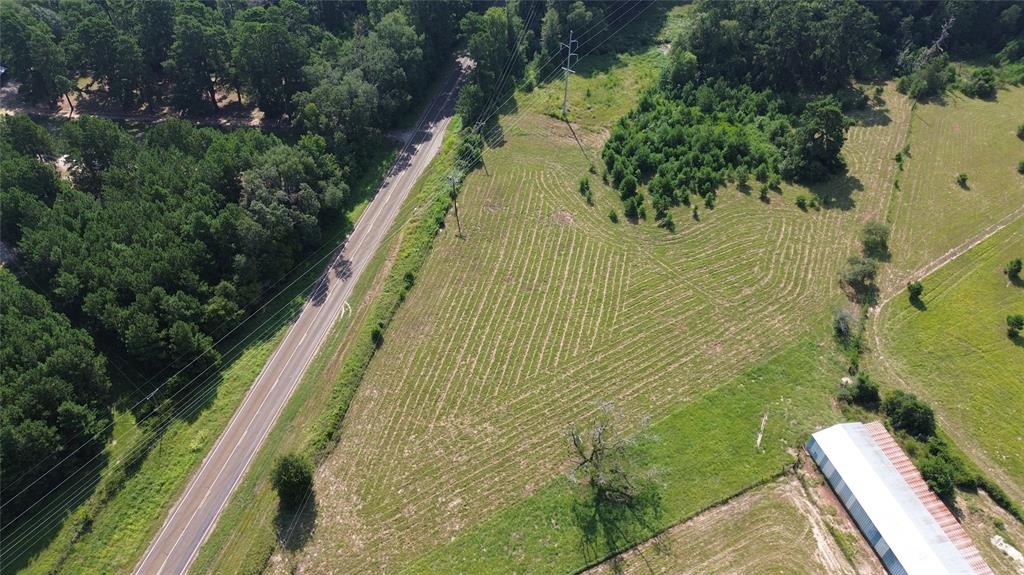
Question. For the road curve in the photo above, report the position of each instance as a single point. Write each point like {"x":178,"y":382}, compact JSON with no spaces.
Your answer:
{"x":193,"y":517}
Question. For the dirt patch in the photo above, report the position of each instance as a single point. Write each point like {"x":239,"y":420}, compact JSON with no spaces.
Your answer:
{"x":563,"y":218}
{"x":828,"y":508}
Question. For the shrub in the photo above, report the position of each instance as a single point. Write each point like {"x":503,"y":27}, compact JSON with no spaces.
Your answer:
{"x":1020,"y":131}
{"x":668,"y":223}
{"x":631,"y":208}
{"x":293,"y":479}
{"x":763,"y":193}
{"x":585,"y":190}
{"x":1013,"y":268}
{"x":613,"y":216}
{"x":627,"y":187}
{"x":915,"y":289}
{"x":908,"y":413}
{"x":1014,"y":324}
{"x":863,"y":392}
{"x":859,"y":273}
{"x":981,"y":84}
{"x":940,"y":475}
{"x":944,"y":470}
{"x":874,"y":238}
{"x":801,"y":202}
{"x":1020,"y":167}
{"x":961,"y":180}
{"x":844,"y":325}
{"x":742,"y":175}
{"x":930,"y":80}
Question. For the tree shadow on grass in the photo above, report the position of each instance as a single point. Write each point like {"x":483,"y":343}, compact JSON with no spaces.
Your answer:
{"x":1018,"y":340}
{"x":836,"y":193}
{"x":872,"y":117}
{"x":294,"y":527}
{"x":863,"y":294}
{"x":609,"y":527}
{"x":918,"y":304}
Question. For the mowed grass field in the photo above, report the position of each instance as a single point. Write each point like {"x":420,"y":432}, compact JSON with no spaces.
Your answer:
{"x":456,"y":439}
{"x":955,"y":353}
{"x":931,"y":214}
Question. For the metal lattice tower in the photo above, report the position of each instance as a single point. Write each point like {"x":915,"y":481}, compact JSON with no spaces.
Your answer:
{"x":569,"y":62}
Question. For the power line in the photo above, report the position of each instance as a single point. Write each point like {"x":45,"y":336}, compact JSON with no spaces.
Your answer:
{"x":198,"y":393}
{"x":196,"y":397}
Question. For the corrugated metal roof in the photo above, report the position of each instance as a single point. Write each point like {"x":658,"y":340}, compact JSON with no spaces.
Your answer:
{"x":891,"y":501}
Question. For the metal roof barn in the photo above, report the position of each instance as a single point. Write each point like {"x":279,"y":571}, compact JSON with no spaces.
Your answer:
{"x":909,"y":527}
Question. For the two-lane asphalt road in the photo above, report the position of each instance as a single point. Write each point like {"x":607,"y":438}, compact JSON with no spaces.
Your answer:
{"x":194,"y":516}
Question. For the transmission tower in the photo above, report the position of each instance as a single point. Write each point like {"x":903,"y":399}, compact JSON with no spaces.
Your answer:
{"x":569,"y":62}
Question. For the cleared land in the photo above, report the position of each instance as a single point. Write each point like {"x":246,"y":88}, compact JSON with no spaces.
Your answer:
{"x":773,"y":529}
{"x":546,"y":308}
{"x":955,"y":353}
{"x":931,"y":214}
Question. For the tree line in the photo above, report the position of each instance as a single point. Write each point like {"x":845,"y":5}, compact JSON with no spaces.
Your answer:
{"x":143,"y":248}
{"x":345,"y":70}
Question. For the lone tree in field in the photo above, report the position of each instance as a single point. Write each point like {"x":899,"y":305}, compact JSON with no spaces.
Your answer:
{"x":606,"y":459}
{"x":874,"y":239}
{"x":915,"y":289}
{"x":1013,"y":268}
{"x":1014,"y":325}
{"x":859,"y":274}
{"x":293,"y":479}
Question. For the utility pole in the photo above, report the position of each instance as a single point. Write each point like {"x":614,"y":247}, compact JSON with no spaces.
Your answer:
{"x":570,"y":54}
{"x":455,"y":202}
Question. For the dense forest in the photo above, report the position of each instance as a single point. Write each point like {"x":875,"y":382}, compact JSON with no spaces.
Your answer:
{"x":756,"y":91}
{"x":150,"y":245}
{"x":147,"y":244}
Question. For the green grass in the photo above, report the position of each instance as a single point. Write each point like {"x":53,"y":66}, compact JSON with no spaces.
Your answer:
{"x":955,"y":353}
{"x":706,"y":451}
{"x":847,"y":542}
{"x":931,"y":214}
{"x":124,"y":512}
{"x":545,"y":309}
